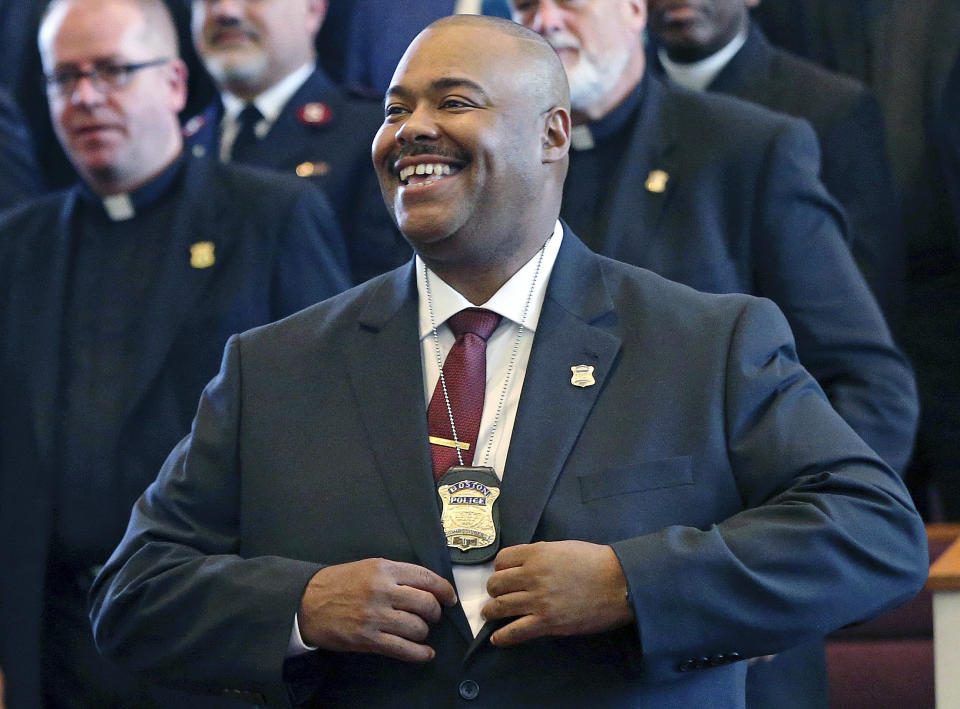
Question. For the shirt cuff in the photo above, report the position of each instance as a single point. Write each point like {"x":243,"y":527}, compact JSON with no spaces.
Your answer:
{"x":296,"y":646}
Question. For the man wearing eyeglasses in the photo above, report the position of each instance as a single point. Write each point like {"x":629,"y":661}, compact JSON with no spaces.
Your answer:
{"x":116,"y":298}
{"x":277,"y":109}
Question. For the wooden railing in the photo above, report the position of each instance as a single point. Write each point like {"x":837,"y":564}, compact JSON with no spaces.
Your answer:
{"x":944,"y":582}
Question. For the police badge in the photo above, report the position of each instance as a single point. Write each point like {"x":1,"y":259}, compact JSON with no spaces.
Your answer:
{"x":470,"y":516}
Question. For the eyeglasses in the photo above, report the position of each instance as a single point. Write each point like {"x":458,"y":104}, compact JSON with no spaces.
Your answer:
{"x":105,"y":76}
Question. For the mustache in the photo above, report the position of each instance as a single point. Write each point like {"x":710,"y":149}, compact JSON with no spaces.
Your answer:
{"x":415,"y":149}
{"x":231,"y":23}
{"x":562,"y":40}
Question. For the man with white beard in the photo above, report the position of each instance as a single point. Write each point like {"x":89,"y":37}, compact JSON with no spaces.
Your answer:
{"x":724,"y":196}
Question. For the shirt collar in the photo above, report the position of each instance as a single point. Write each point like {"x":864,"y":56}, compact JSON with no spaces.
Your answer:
{"x":270,"y":103}
{"x":509,"y":301}
{"x":125,"y":205}
{"x":587,"y":134}
{"x":699,"y":75}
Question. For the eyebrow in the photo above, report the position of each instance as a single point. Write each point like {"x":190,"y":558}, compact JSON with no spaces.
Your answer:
{"x":443,"y":84}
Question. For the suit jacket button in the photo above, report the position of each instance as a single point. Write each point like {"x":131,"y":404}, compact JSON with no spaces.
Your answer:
{"x":718,"y":660}
{"x":734,"y":657}
{"x":685,"y":666}
{"x":469,"y":689}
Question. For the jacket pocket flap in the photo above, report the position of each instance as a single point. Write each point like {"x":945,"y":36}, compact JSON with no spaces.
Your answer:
{"x":624,"y":479}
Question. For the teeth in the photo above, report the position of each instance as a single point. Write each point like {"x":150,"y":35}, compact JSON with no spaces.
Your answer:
{"x":425,"y":169}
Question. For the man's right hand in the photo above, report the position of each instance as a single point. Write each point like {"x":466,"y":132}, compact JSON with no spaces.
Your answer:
{"x":374,"y":605}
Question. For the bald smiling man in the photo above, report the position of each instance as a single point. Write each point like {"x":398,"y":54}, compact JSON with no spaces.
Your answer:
{"x":613,"y":492}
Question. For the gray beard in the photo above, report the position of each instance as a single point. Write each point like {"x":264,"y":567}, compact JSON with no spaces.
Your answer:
{"x":592,"y":79}
{"x":226,"y":72}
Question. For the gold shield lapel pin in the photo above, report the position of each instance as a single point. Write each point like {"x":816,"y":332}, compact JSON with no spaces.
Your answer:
{"x":202,"y":254}
{"x":582,"y":375}
{"x":313,"y":169}
{"x":657,"y":181}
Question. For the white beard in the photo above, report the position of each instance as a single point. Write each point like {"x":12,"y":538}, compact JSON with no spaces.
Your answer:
{"x":594,"y":75}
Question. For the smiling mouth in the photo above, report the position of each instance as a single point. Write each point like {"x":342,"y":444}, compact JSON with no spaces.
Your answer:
{"x":425,"y":173}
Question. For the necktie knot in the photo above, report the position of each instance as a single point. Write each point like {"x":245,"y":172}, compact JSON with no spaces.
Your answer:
{"x":249,"y":116}
{"x":479,"y":321}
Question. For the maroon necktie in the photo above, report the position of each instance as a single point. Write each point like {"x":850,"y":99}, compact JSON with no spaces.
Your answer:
{"x":465,"y":372}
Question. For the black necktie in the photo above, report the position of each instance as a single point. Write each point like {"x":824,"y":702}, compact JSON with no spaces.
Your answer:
{"x":246,"y":138}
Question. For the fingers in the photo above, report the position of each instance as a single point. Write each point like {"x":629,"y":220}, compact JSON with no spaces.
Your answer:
{"x":512,"y":556}
{"x":508,"y":581}
{"x":403,"y":650}
{"x":374,"y":605}
{"x":521,"y":630}
{"x":418,"y":577}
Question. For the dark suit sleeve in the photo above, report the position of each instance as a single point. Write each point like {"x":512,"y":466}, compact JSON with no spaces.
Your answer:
{"x":841,"y":334}
{"x":171,"y":595}
{"x":311,"y":261}
{"x":857,"y":173}
{"x":820,"y":513}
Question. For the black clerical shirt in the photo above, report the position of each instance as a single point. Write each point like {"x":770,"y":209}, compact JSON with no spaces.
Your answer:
{"x":588,"y":189}
{"x":112,"y":281}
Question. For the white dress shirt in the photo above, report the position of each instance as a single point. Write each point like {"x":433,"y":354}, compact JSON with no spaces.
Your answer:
{"x":699,"y":75}
{"x":270,"y":103}
{"x":508,"y":301}
{"x":492,"y":442}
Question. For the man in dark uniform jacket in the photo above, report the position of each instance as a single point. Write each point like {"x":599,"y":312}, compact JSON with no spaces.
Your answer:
{"x":724,"y":196}
{"x":116,"y":298}
{"x":714,"y":46}
{"x":278,"y":110}
{"x":19,"y":179}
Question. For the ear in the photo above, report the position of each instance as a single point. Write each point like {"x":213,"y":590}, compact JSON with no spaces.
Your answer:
{"x":316,"y":12}
{"x":635,"y":14}
{"x":177,"y":80}
{"x":555,"y":140}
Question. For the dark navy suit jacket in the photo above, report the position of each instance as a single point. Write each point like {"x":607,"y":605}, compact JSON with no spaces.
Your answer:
{"x":277,"y":250}
{"x":850,"y":130}
{"x":337,"y":152}
{"x":743,"y":211}
{"x":746,"y":514}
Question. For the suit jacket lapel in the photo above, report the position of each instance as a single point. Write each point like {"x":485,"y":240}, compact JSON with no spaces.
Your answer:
{"x":747,"y":68}
{"x":647,"y":180}
{"x":283,"y":144}
{"x":178,"y":284}
{"x":575,"y":328}
{"x":387,"y":379}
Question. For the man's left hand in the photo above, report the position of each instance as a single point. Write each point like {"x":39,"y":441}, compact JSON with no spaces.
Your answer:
{"x":556,"y":588}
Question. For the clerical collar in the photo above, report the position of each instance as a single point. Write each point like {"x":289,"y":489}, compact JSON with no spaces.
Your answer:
{"x":125,"y":205}
{"x":509,"y":299}
{"x":270,"y":103}
{"x":585,"y":136}
{"x":699,"y":75}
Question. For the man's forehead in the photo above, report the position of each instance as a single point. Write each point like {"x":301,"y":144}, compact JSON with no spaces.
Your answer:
{"x":444,"y":56}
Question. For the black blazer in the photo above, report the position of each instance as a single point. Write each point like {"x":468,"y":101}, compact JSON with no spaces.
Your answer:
{"x":742,"y":210}
{"x":277,"y":250}
{"x":850,"y":130}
